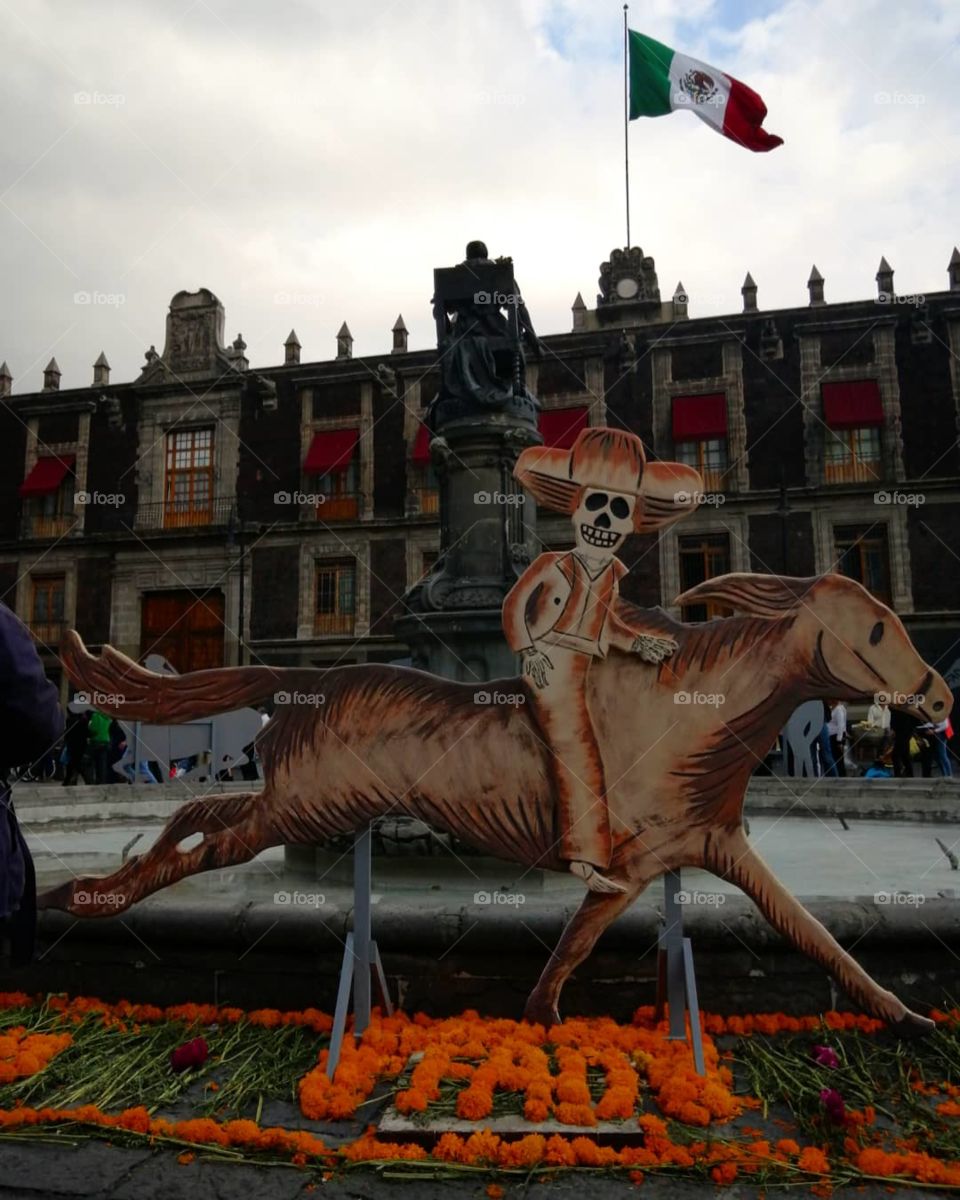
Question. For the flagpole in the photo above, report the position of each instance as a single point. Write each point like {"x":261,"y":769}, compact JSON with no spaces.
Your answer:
{"x":626,"y":117}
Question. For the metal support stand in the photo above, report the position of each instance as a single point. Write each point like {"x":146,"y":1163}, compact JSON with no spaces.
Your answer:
{"x":676,"y":980}
{"x":360,"y":957}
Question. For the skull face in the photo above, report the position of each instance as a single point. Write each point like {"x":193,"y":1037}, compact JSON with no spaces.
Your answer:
{"x":601,"y":521}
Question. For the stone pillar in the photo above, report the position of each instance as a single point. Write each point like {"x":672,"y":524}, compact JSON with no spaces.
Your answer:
{"x":101,"y":371}
{"x":953,"y":270}
{"x":885,"y":282}
{"x":51,"y":376}
{"x":400,"y":335}
{"x":815,"y":287}
{"x":749,"y":294}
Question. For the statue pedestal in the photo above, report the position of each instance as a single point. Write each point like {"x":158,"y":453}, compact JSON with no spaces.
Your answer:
{"x":452,"y":622}
{"x":468,"y":645}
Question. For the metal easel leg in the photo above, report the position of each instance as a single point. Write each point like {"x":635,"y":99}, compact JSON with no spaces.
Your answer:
{"x":382,"y":981}
{"x":693,"y":1008}
{"x":360,"y":956}
{"x":676,"y":981}
{"x":343,"y":1004}
{"x":362,"y":871}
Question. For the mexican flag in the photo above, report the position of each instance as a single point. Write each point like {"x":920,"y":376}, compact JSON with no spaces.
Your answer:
{"x":664,"y":80}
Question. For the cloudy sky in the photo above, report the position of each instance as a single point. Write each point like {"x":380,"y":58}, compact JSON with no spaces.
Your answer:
{"x":310,"y":162}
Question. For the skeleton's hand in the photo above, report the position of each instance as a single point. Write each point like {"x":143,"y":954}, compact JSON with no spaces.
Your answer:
{"x":536,"y":664}
{"x":653,"y":649}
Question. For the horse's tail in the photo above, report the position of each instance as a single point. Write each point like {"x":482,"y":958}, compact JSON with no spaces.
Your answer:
{"x":117,"y":685}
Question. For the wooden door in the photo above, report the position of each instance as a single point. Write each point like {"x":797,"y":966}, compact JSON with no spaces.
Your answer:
{"x":186,"y":627}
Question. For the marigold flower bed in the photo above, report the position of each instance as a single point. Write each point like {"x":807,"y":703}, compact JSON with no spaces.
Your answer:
{"x":815,"y":1101}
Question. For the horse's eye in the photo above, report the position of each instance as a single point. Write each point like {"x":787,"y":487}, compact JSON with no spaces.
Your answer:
{"x":876,"y":633}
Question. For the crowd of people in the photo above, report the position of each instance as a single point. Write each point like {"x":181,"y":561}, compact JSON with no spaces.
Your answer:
{"x":94,"y":746}
{"x":887,"y":743}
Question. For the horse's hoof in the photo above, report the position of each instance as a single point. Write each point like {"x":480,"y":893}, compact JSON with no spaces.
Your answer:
{"x":541,"y":1014}
{"x":912,"y":1025}
{"x":83,"y":898}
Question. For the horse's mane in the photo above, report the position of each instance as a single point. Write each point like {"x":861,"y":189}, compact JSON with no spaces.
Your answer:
{"x":773,"y":604}
{"x":704,"y":645}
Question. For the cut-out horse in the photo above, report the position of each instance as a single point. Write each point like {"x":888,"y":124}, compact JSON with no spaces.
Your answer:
{"x":348,"y":744}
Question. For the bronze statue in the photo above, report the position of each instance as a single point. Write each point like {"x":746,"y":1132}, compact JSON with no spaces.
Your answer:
{"x":482,"y":329}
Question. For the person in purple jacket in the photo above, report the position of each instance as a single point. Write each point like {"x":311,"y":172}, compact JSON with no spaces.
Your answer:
{"x":31,"y":722}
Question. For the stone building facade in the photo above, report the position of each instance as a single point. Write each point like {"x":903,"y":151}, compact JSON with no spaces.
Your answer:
{"x":217,"y":513}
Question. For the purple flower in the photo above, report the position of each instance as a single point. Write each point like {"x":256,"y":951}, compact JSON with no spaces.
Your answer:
{"x":191,"y":1054}
{"x":833,"y":1105}
{"x":823,"y":1056}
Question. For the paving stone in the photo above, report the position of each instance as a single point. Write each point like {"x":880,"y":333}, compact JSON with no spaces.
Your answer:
{"x":96,"y":1171}
{"x":207,"y":1179}
{"x":90,"y":1168}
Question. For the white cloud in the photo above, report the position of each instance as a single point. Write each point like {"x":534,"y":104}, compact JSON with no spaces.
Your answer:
{"x":339,"y":153}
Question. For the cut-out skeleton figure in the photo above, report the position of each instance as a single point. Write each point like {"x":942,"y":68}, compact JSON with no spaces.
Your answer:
{"x":561,"y":613}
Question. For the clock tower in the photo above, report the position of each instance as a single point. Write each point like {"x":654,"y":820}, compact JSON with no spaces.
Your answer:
{"x":629,"y":290}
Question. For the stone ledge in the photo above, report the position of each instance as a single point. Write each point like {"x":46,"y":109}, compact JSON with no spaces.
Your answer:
{"x":442,"y":957}
{"x":419,"y":926}
{"x":898,"y":799}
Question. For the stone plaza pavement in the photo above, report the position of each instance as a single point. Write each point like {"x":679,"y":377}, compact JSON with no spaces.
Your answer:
{"x":95,"y":1171}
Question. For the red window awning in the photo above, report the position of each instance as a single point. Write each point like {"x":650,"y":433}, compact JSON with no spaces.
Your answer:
{"x":47,"y":475}
{"x":421,"y":447}
{"x":559,"y":427}
{"x":698,"y":418}
{"x":852,"y":405}
{"x":332,"y":450}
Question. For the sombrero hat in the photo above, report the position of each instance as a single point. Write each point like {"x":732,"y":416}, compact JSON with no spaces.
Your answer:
{"x":611,"y":460}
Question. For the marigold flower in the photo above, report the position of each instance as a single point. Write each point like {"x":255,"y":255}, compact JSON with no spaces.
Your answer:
{"x":137,"y":1120}
{"x":449,"y":1148}
{"x":813,"y":1159}
{"x":474,"y":1103}
{"x":483,"y":1147}
{"x":574,"y":1114}
{"x":535,"y":1111}
{"x":526,"y":1152}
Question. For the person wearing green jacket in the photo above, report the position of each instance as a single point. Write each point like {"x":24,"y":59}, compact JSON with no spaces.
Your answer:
{"x":98,"y":740}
